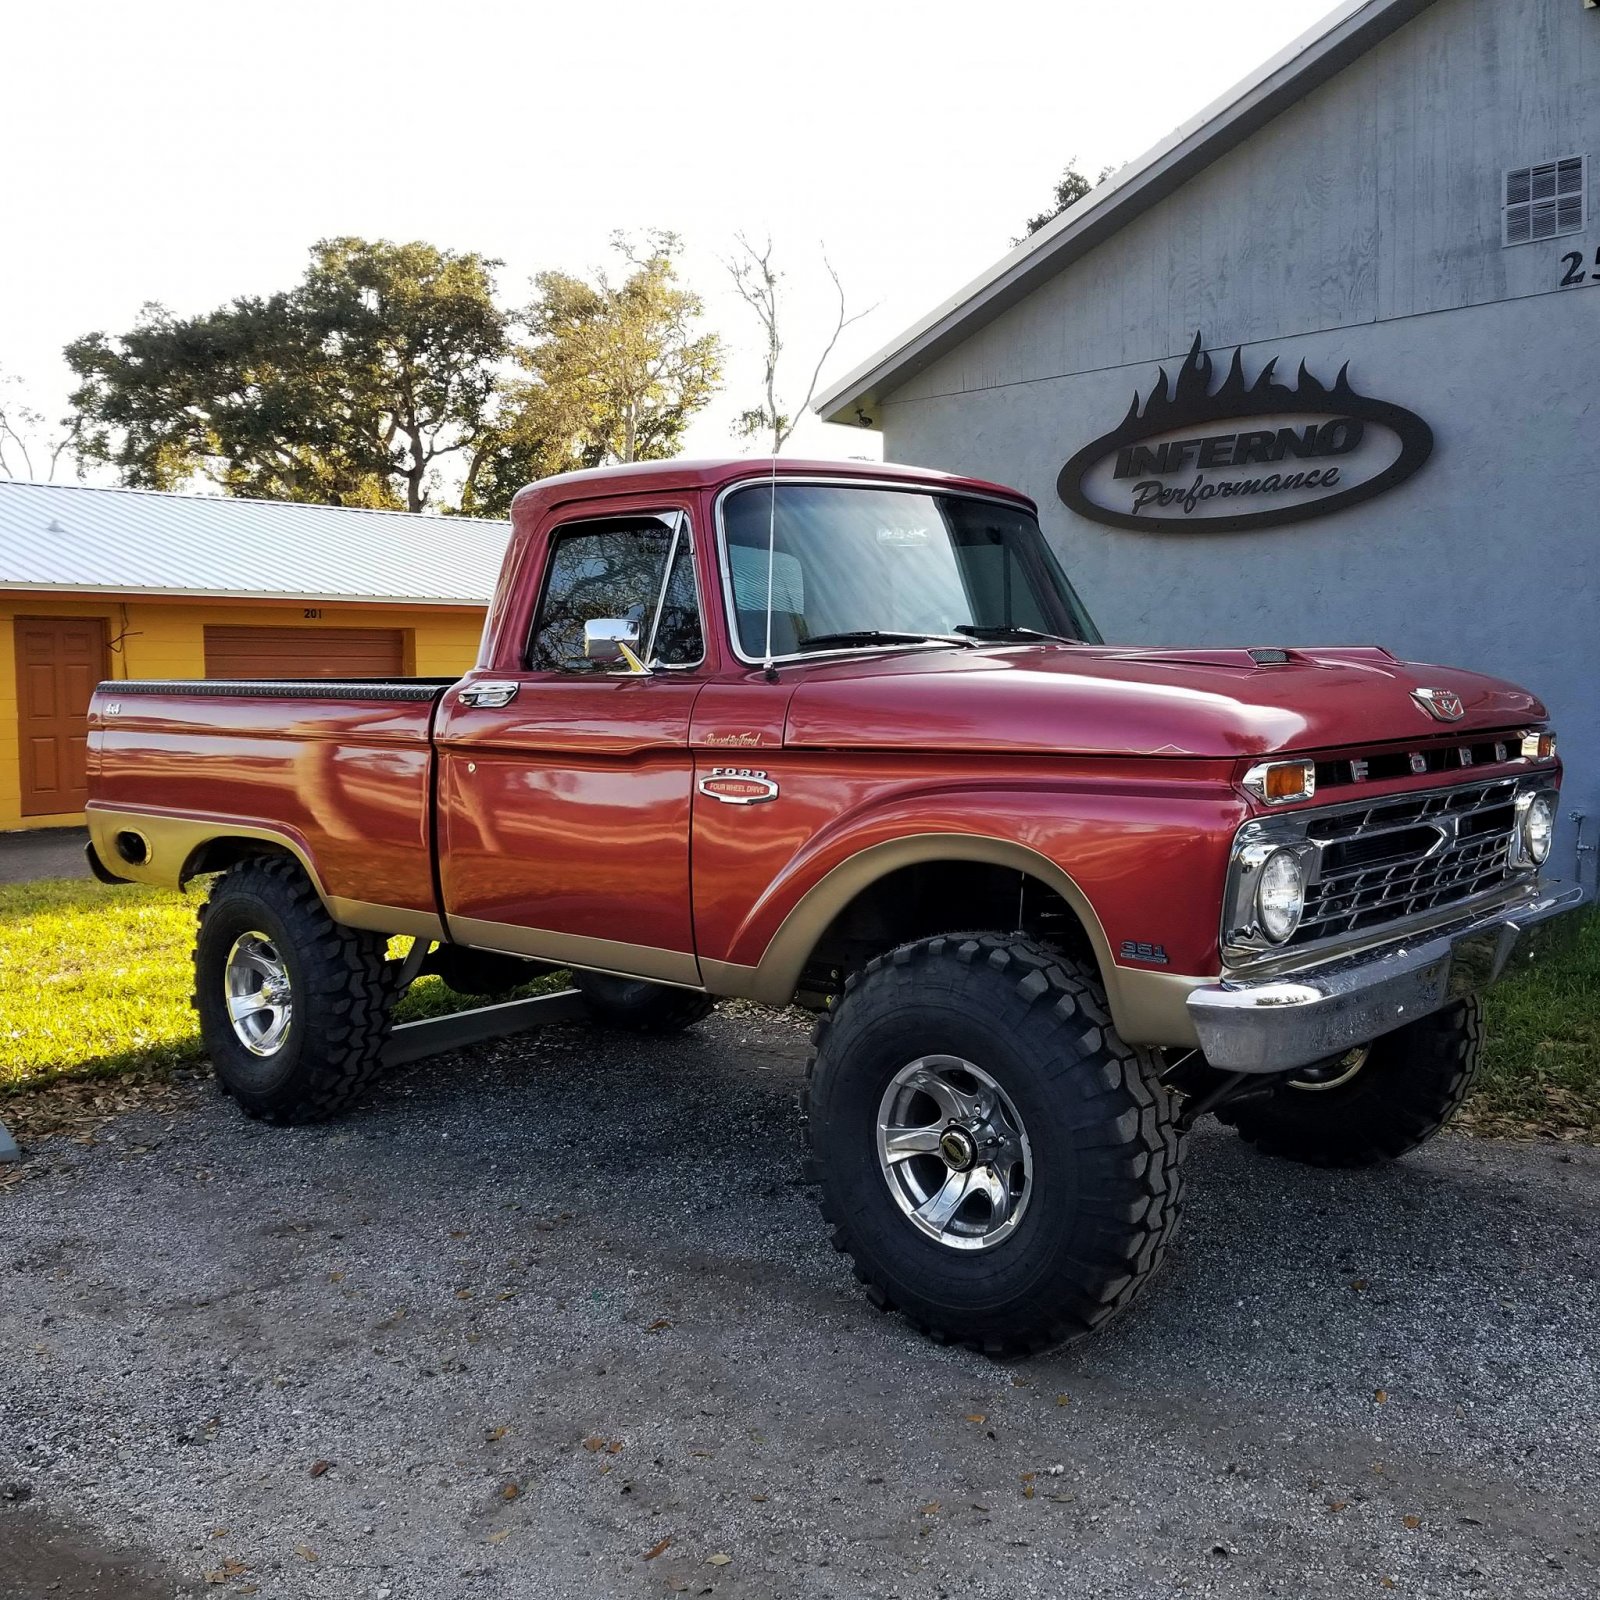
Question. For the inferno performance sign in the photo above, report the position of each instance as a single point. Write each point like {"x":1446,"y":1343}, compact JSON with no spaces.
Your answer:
{"x":1255,"y":455}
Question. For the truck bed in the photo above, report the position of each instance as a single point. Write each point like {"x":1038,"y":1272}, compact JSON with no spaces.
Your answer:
{"x":337,"y":770}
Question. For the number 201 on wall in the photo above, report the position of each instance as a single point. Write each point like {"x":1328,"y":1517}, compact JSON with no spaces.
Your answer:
{"x":1574,"y":275}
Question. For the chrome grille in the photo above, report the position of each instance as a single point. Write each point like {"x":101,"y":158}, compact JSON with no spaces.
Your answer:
{"x":1406,"y":855}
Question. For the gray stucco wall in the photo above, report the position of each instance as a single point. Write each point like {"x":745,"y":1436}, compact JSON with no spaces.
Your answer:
{"x":1361,"y":227}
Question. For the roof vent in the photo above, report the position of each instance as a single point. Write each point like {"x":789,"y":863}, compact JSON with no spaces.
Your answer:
{"x":1544,"y":201}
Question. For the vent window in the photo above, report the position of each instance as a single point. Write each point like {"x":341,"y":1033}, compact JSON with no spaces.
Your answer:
{"x":1541,"y":202}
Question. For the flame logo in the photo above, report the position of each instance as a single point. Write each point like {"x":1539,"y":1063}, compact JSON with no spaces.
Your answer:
{"x":1190,"y":401}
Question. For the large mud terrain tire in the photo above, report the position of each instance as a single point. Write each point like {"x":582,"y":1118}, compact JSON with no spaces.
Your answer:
{"x":1374,"y":1104}
{"x":294,"y":1008}
{"x":636,"y":1006}
{"x":982,"y":1072}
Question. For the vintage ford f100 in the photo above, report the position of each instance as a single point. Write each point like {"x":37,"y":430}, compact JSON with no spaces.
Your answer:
{"x":842,"y":735}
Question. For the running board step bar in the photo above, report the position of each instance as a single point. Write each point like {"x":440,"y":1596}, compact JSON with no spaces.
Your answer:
{"x":413,"y":1041}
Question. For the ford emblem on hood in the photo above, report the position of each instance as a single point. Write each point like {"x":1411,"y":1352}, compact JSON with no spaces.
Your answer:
{"x":1445,"y":704}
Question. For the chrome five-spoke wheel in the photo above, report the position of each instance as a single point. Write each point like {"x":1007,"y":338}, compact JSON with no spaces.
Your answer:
{"x":954,"y":1152}
{"x":258,"y":994}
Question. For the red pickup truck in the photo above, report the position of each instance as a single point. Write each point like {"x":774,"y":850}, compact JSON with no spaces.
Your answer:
{"x":842,"y":735}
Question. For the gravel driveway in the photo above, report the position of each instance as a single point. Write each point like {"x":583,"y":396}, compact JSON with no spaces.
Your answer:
{"x":555,"y":1318}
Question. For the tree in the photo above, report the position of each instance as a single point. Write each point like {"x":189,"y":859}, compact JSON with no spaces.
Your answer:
{"x":1071,"y":188}
{"x":756,"y":281}
{"x":616,"y":368}
{"x":354,"y":387}
{"x":537,"y":432}
{"x":24,"y":450}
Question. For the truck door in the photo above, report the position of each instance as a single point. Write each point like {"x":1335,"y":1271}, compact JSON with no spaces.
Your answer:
{"x":564,"y":786}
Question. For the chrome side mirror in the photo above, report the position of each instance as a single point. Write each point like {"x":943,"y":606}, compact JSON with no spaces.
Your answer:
{"x":612,"y":641}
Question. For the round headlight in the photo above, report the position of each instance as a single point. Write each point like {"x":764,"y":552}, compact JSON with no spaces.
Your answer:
{"x":1538,"y":827}
{"x":1281,"y":895}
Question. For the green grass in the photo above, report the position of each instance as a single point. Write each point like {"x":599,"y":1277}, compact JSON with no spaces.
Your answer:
{"x":1542,"y":1074}
{"x":95,"y":982}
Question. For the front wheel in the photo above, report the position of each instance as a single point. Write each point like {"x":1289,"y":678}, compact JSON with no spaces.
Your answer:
{"x":1374,"y":1103}
{"x":294,"y":1007}
{"x":1000,"y":1166}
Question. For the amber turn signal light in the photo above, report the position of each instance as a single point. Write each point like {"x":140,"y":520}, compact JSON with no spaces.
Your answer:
{"x":1539,"y":745}
{"x":1278,"y":782}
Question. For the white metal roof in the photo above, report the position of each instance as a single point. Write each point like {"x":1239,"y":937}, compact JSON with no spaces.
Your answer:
{"x":69,"y":538}
{"x":1348,"y":31}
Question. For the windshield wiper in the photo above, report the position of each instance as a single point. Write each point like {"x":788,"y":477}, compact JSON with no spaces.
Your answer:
{"x":1007,"y":630}
{"x":867,"y":636}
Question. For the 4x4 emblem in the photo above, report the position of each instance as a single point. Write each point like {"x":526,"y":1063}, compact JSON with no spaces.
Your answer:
{"x":738,"y":786}
{"x":1445,"y":704}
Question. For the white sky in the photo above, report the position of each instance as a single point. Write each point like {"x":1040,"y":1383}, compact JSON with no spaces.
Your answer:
{"x":190,"y":152}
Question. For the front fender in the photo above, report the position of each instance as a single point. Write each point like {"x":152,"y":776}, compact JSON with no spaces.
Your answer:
{"x":1140,"y":858}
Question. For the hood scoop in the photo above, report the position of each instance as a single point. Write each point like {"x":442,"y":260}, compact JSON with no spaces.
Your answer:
{"x":1250,"y":659}
{"x":1241,"y":660}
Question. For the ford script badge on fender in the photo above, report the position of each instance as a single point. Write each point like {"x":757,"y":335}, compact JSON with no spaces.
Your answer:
{"x":738,"y":786}
{"x":1445,"y":704}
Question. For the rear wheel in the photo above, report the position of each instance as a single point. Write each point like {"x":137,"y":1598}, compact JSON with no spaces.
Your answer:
{"x":1374,"y":1103}
{"x":294,"y":1007}
{"x":637,"y":1006}
{"x":1000,"y":1166}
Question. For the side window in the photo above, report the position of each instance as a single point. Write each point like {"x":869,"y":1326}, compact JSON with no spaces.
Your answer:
{"x":619,"y":569}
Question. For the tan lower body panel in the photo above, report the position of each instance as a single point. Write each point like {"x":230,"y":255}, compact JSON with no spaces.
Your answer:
{"x":747,"y":983}
{"x":383,"y":919}
{"x":1152,"y":1007}
{"x":677,"y":967}
{"x":171,"y":843}
{"x":1148,"y":1007}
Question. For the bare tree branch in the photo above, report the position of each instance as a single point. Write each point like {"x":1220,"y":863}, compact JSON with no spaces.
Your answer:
{"x":839,"y":326}
{"x":20,"y":429}
{"x":755,"y":279}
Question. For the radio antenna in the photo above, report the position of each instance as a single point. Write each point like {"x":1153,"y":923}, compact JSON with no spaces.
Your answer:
{"x":770,"y":672}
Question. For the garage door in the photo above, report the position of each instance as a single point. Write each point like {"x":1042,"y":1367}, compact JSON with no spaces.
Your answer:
{"x":305,"y":652}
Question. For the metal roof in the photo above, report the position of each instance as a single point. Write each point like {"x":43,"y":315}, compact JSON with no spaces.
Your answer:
{"x":70,"y":538}
{"x":1350,"y":30}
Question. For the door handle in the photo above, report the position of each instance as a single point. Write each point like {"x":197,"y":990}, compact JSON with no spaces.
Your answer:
{"x":495,"y":693}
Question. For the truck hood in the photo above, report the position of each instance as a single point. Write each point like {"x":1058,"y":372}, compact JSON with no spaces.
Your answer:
{"x":1090,"y":699}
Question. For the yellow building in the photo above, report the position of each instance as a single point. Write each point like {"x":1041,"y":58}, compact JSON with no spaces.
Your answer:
{"x":119,"y":583}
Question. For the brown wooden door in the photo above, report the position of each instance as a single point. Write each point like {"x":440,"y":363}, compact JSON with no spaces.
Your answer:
{"x":59,"y":661}
{"x":304,"y":652}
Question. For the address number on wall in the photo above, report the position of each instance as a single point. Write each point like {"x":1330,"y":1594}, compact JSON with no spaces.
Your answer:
{"x":1574,"y":274}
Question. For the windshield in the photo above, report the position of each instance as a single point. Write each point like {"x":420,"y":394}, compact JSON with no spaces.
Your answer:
{"x":854,"y":566}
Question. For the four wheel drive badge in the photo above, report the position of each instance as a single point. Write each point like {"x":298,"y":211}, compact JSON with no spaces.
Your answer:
{"x":1444,"y":704}
{"x":738,"y":786}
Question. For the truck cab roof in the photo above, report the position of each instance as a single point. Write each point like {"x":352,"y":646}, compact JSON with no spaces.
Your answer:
{"x":713,"y":473}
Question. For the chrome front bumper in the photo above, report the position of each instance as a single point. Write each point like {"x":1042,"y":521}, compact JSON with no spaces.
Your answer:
{"x":1290,"y":1019}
